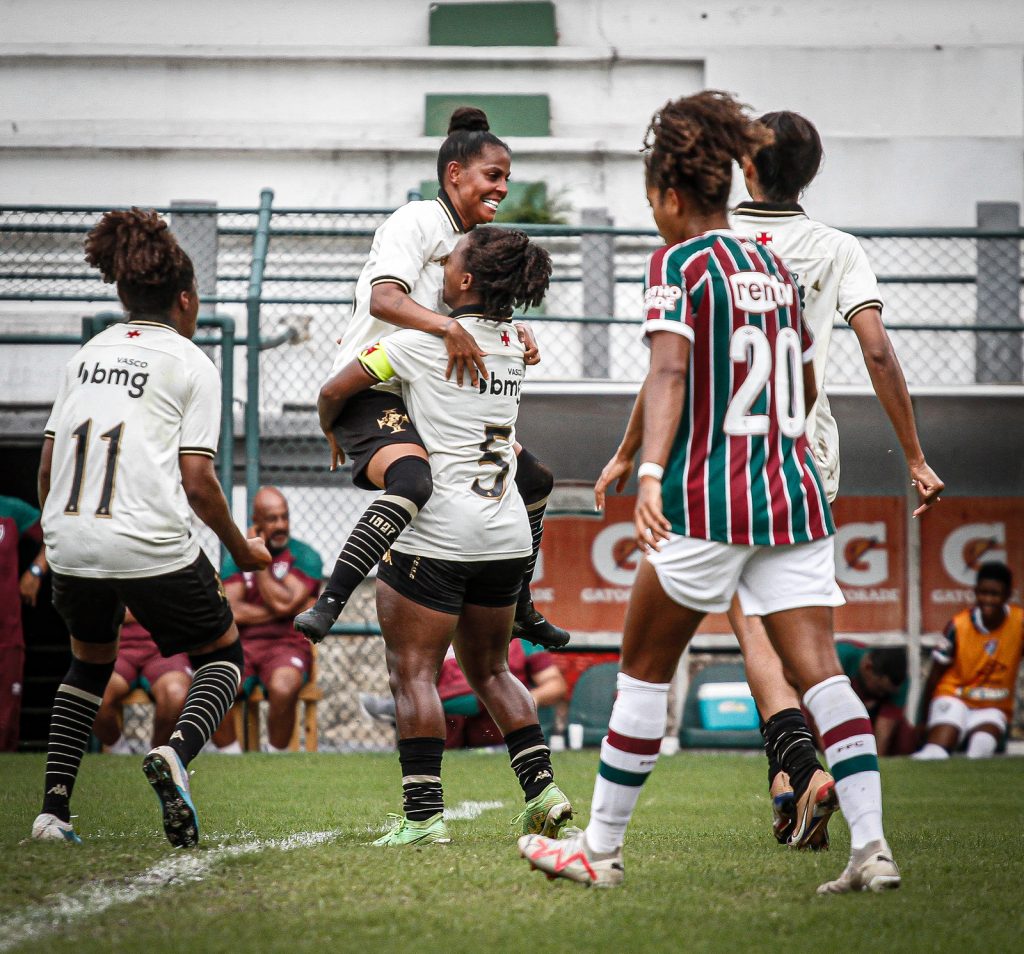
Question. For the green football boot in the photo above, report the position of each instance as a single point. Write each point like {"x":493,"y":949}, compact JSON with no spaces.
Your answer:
{"x":545,"y":814}
{"x":406,"y":832}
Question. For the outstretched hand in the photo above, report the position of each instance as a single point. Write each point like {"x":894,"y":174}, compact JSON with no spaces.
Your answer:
{"x":649,"y":521}
{"x":616,"y":471}
{"x":928,"y":485}
{"x":531,"y":354}
{"x":464,"y":354}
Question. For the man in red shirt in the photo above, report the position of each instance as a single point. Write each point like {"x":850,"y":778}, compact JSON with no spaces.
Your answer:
{"x":19,"y":521}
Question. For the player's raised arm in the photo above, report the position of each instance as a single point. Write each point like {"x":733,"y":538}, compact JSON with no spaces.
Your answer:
{"x":350,"y":380}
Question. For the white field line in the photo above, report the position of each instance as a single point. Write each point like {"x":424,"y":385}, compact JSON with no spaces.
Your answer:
{"x":182,"y":867}
{"x":467,"y":811}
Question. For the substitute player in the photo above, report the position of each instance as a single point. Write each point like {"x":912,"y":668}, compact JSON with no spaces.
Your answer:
{"x":401,"y":284}
{"x":461,"y":561}
{"x":129,"y":447}
{"x":974,"y":671}
{"x":729,"y":497}
{"x":835,"y":281}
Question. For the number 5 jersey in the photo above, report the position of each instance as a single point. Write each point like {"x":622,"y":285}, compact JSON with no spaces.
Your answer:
{"x":475,"y":512}
{"x":130,"y":402}
{"x":740,"y":470}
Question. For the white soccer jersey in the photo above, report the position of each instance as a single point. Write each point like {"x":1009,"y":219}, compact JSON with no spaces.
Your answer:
{"x":130,"y":401}
{"x":409,"y":249}
{"x":475,"y":512}
{"x":836,"y":279}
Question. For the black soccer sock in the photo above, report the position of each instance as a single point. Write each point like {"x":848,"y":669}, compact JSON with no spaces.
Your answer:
{"x":407,"y":488}
{"x":531,"y":759}
{"x":211,"y":694}
{"x":420,"y":758}
{"x":787,"y":736}
{"x":773,"y":763}
{"x":75,"y":706}
{"x":534,"y":482}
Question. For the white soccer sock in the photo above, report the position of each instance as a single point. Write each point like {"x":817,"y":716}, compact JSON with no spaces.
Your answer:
{"x":275,"y":750}
{"x":930,"y":753}
{"x":628,"y":755}
{"x":981,"y":746}
{"x":851,"y":754}
{"x":232,"y":748}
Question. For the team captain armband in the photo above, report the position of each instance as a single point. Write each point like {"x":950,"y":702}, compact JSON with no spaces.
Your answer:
{"x":376,"y":362}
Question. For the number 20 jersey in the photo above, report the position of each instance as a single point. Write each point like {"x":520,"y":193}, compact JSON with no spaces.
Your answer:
{"x":475,"y":512}
{"x":740,"y":470}
{"x":129,"y":403}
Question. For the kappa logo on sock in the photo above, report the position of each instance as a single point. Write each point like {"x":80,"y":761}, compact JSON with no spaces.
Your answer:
{"x":176,"y":734}
{"x":544,"y":774}
{"x":61,"y":790}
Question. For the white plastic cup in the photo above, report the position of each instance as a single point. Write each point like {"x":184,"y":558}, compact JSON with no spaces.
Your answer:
{"x":557,"y":743}
{"x":575,"y":735}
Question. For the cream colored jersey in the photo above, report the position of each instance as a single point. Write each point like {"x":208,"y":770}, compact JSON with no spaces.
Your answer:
{"x":475,"y":511}
{"x":835,"y":278}
{"x":408,"y":250}
{"x":130,"y":402}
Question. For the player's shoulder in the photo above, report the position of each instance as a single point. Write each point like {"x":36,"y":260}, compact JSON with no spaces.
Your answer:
{"x":22,"y":513}
{"x":675,"y":259}
{"x":425,"y":213}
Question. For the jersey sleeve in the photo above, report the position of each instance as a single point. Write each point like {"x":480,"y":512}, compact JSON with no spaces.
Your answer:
{"x":229,"y":569}
{"x":308,"y":564}
{"x":858,"y":287}
{"x":405,"y":355}
{"x":945,"y":650}
{"x":666,"y":302}
{"x":24,"y":515}
{"x":200,"y":422}
{"x":405,"y":246}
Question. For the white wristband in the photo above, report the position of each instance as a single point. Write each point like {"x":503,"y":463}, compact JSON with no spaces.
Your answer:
{"x":648,"y":469}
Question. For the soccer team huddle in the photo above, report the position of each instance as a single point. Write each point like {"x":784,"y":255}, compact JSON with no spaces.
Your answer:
{"x":735,"y":450}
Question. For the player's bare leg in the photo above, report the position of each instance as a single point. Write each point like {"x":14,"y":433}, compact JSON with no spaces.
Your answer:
{"x":792,"y":759}
{"x":803,"y":639}
{"x":416,"y":639}
{"x":109,"y":722}
{"x":656,"y":632}
{"x":481,"y":646}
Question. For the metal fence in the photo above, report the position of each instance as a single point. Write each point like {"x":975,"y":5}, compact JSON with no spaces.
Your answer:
{"x":281,"y":281}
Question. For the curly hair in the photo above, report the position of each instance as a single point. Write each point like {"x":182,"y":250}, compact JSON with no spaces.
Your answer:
{"x":136,"y":250}
{"x":508,"y":270}
{"x":788,"y":164}
{"x":691,"y":143}
{"x":469,"y":133}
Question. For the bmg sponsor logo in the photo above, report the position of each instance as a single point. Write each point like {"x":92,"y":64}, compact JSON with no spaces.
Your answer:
{"x":135,"y":382}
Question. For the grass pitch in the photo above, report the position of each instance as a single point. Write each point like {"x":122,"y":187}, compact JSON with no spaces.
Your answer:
{"x":285,"y":864}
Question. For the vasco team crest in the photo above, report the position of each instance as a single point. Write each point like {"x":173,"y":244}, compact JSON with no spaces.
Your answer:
{"x":393,"y":419}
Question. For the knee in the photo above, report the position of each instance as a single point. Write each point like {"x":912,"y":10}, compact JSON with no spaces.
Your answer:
{"x":534,"y":481}
{"x":284,"y":685}
{"x":170,"y":693}
{"x":409,"y":477}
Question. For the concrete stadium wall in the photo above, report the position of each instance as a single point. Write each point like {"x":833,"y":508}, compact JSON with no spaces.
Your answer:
{"x":921,"y":104}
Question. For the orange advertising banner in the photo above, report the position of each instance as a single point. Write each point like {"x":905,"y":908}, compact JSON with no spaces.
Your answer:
{"x":588,"y":563}
{"x":958,"y":536}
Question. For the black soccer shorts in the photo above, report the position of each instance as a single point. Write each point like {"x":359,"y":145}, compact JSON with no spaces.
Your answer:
{"x":369,"y":421}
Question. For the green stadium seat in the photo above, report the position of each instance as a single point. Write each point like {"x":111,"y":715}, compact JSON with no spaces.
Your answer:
{"x":692,"y":735}
{"x":509,"y":114}
{"x":493,"y":24}
{"x":592,"y":700}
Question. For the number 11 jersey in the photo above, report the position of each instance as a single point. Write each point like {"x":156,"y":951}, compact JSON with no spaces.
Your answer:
{"x":130,"y":402}
{"x":740,"y":469}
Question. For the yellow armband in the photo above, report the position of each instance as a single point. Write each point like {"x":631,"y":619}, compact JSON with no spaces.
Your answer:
{"x":375,"y":360}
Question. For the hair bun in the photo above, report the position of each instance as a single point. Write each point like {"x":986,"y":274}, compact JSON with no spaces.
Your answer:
{"x":468,"y":119}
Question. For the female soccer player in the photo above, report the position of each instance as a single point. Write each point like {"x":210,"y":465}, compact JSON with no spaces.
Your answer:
{"x":835,"y":280}
{"x":729,"y":497}
{"x":401,"y":285}
{"x":129,"y":447}
{"x":461,"y":562}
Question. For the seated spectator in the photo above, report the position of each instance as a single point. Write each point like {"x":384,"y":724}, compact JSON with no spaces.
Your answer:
{"x":974,"y":671}
{"x":140,"y":665}
{"x":879,"y":677}
{"x":467,"y":723}
{"x":264,"y":604}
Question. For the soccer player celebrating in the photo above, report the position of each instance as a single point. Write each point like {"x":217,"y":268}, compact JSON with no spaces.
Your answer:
{"x":729,"y":497}
{"x":401,"y":285}
{"x":835,"y":280}
{"x":129,"y":447}
{"x":461,"y":562}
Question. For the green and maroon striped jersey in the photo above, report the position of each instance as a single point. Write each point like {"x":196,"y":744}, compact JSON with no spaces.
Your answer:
{"x":740,"y":469}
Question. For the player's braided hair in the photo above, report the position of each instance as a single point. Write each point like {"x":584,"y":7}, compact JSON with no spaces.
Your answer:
{"x":787,"y":165}
{"x":691,"y":143}
{"x":135,"y":249}
{"x":508,"y":270}
{"x":468,"y":133}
